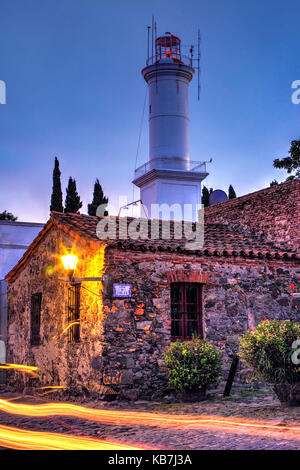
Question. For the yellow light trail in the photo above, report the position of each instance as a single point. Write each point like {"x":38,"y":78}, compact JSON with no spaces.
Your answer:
{"x":70,"y":325}
{"x":21,"y":439}
{"x":50,"y":386}
{"x":22,"y":368}
{"x":137,"y":418}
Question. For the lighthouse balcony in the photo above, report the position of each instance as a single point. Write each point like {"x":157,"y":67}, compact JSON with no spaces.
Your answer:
{"x":173,"y":59}
{"x":175,"y":164}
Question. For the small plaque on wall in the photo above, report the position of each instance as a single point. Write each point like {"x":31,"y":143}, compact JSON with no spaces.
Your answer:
{"x":122,"y":290}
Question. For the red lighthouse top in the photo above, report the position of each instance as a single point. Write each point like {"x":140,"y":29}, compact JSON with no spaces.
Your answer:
{"x":167,"y":47}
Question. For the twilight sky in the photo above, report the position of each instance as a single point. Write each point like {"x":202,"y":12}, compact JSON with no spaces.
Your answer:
{"x":74,"y":89}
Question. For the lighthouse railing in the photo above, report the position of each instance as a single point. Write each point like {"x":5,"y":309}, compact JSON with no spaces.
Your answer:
{"x":185,"y":60}
{"x":192,"y":166}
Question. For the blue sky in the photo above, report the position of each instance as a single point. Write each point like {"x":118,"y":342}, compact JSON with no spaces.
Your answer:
{"x":74,"y":89}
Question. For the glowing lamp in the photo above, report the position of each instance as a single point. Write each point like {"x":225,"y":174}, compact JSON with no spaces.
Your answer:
{"x":70,"y":262}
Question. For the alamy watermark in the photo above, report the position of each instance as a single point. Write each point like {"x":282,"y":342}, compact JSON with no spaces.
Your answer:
{"x":296,"y":353}
{"x":170,"y":223}
{"x":2,"y":92}
{"x":2,"y":352}
{"x":296,"y":94}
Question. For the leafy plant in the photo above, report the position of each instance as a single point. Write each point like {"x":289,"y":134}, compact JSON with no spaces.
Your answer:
{"x":268,"y":350}
{"x":292,"y":162}
{"x":8,"y":216}
{"x":193,"y":364}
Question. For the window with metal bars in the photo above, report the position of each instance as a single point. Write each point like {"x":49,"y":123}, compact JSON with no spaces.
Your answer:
{"x":74,"y":313}
{"x":186,"y":311}
{"x":35,"y":319}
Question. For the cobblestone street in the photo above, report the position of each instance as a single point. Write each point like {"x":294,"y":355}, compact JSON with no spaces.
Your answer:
{"x":235,"y":423}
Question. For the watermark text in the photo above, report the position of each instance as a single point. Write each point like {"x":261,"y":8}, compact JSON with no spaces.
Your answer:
{"x":2,"y":92}
{"x":296,"y":94}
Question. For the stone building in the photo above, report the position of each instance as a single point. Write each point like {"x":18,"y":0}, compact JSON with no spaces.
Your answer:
{"x":85,"y":337}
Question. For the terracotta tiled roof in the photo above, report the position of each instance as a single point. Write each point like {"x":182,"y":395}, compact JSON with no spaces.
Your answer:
{"x":219,"y":240}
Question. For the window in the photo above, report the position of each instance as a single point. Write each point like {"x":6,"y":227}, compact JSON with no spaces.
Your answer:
{"x":186,"y":310}
{"x":74,"y":313}
{"x":35,"y":319}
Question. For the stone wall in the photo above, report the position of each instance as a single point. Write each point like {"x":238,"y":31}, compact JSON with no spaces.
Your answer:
{"x":235,"y":293}
{"x":58,"y":362}
{"x":122,"y":340}
{"x":273,"y":214}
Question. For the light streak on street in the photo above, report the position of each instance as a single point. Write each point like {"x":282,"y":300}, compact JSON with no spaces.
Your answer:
{"x":136,"y":418}
{"x":23,"y":439}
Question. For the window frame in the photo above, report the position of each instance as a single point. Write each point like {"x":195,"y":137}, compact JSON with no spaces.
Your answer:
{"x":35,"y":314}
{"x":182,"y":311}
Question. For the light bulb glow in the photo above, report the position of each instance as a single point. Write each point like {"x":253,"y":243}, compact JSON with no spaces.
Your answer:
{"x":70,"y":262}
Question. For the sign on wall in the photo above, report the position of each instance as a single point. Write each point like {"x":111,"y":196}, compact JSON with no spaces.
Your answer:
{"x":122,"y":290}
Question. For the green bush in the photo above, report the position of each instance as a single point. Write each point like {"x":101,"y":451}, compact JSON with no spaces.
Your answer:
{"x":268,"y":350}
{"x":192,"y":365}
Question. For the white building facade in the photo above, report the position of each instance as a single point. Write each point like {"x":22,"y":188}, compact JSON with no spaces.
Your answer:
{"x":15,"y":237}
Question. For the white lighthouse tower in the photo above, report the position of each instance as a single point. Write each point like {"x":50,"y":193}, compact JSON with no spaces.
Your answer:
{"x":170,"y":179}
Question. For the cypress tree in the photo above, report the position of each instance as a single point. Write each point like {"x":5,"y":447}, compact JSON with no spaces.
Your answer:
{"x":56,"y":197}
{"x":72,"y":203}
{"x":231,"y":193}
{"x":205,"y":196}
{"x":98,"y":199}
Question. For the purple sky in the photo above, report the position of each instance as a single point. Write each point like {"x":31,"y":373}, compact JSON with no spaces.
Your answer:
{"x":74,"y":89}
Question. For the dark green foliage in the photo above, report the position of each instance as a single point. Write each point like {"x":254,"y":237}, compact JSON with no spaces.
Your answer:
{"x":268,"y":350}
{"x":273,"y":183}
{"x":7,"y":216}
{"x":72,"y":203}
{"x":291,"y":163}
{"x":231,"y":193}
{"x":98,"y":199}
{"x":56,"y":197}
{"x":205,"y":196}
{"x":192,"y":364}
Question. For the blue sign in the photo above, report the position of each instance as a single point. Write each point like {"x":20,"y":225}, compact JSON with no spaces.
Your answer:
{"x":122,"y":290}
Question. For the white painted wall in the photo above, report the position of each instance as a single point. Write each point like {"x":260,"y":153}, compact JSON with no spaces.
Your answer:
{"x":168,"y":84}
{"x":15,"y":237}
{"x":178,"y":191}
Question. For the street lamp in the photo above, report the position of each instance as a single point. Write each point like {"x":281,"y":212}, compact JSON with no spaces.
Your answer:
{"x":70,"y":262}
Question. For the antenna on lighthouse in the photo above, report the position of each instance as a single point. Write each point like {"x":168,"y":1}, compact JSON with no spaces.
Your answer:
{"x":198,"y":63}
{"x":152,"y":30}
{"x":148,"y":45}
{"x":192,"y":54}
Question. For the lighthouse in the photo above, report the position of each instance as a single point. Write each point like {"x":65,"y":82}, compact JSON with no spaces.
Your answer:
{"x":170,"y":182}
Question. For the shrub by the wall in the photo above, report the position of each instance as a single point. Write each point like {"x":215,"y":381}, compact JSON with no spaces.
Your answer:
{"x":192,"y":365}
{"x":269,"y":351}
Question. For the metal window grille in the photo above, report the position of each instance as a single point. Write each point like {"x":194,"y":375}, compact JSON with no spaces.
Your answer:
{"x":186,"y":310}
{"x":35,"y":319}
{"x":74,"y":313}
